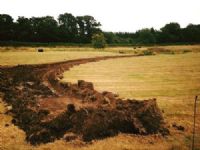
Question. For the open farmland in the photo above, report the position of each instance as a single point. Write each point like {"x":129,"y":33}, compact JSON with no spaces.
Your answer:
{"x":15,"y":58}
{"x":143,"y":77}
{"x":29,"y":55}
{"x":172,"y":79}
{"x":99,"y":75}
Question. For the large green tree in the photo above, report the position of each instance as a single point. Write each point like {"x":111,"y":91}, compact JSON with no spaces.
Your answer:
{"x":171,"y":33}
{"x":6,"y":27}
{"x":145,"y":36}
{"x":44,"y":29}
{"x":67,"y":27}
{"x":191,"y":33}
{"x":87,"y":26}
{"x":23,"y":29}
{"x":91,"y":27}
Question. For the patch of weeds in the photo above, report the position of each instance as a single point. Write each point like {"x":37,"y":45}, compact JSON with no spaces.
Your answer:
{"x":148,"y":52}
{"x":186,"y":51}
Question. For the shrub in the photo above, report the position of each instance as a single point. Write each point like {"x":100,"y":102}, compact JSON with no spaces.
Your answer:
{"x":98,"y":41}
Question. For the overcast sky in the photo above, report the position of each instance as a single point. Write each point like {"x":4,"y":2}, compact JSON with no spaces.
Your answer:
{"x":114,"y":15}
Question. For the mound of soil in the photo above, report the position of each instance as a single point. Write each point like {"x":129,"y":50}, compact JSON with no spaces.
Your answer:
{"x":35,"y":92}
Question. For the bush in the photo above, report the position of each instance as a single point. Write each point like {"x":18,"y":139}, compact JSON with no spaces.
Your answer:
{"x":98,"y":41}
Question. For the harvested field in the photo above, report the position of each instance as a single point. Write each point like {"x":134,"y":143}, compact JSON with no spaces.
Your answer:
{"x":29,"y":55}
{"x":175,"y":108}
{"x":33,"y":57}
{"x":173,"y":79}
{"x":86,"y":113}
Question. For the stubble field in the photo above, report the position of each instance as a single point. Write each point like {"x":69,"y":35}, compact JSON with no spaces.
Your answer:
{"x":173,"y":79}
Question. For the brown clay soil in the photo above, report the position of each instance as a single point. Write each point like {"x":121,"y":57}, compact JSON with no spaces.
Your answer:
{"x":47,"y":109}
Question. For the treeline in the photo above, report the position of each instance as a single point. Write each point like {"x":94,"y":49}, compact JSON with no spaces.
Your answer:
{"x":67,"y":28}
{"x":80,"y":29}
{"x":170,"y":33}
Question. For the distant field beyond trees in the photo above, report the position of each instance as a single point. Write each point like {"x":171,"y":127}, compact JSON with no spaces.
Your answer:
{"x":80,"y":29}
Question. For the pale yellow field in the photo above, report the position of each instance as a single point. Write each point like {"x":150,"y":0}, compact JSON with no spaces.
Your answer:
{"x":172,"y":79}
{"x":14,"y":58}
{"x":29,"y":55}
{"x":179,"y":48}
{"x":143,"y":77}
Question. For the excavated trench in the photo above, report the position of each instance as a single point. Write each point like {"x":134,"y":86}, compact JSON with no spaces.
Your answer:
{"x":47,"y":109}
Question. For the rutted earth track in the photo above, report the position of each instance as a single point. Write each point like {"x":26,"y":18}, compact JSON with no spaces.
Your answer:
{"x":47,"y":109}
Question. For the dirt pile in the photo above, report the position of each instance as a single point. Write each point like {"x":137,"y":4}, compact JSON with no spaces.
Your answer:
{"x":84,"y":91}
{"x":91,"y":114}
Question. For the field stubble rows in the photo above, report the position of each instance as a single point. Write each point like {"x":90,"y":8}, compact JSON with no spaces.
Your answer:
{"x":172,"y":79}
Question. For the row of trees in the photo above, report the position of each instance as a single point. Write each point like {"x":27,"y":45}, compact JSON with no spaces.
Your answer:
{"x":170,"y":33}
{"x":70,"y":29}
{"x":67,"y":28}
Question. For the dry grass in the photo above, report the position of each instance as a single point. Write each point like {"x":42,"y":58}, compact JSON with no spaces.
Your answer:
{"x":29,"y":55}
{"x":141,"y":77}
{"x":178,"y":48}
{"x":135,"y":50}
{"x":172,"y":79}
{"x":14,"y":58}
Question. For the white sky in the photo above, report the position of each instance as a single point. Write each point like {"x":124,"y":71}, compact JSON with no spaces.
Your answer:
{"x":114,"y":15}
